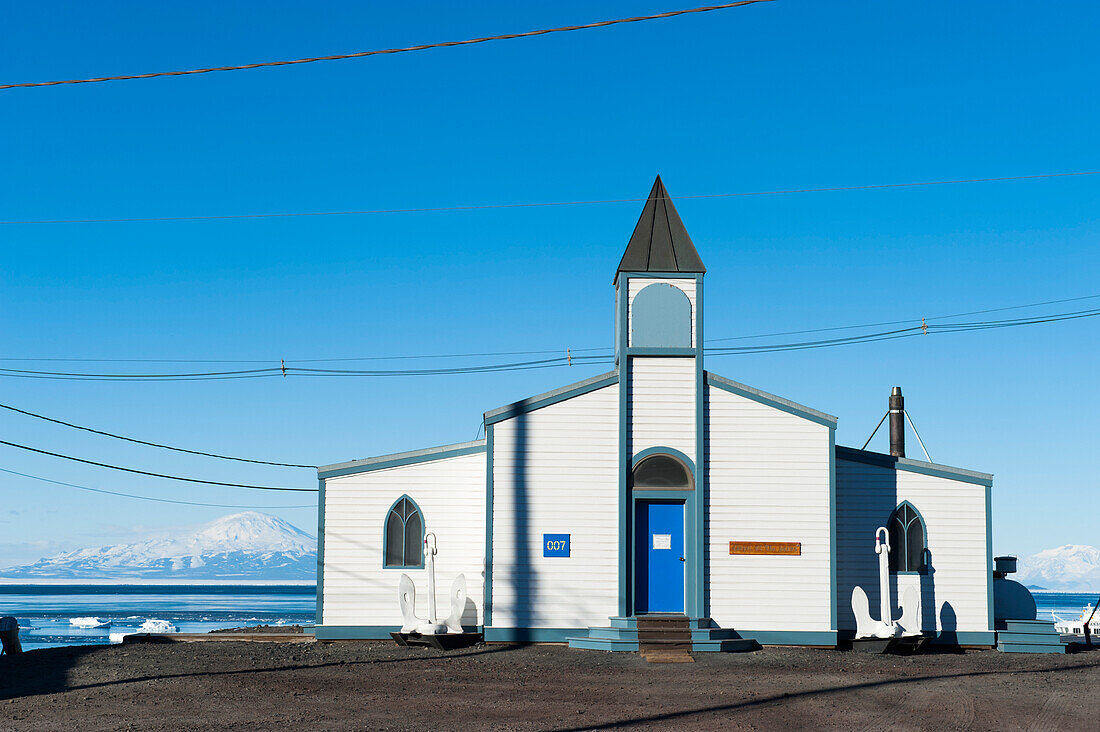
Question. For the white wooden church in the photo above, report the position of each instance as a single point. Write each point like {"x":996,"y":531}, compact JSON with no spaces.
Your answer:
{"x":656,"y":488}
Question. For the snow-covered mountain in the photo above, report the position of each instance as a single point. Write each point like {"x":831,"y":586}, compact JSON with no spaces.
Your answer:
{"x":1069,"y":568}
{"x":241,"y":546}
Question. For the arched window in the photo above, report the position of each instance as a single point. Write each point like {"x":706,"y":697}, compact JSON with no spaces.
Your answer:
{"x":908,"y":541}
{"x":661,"y":472}
{"x":403,"y":542}
{"x":661,"y":317}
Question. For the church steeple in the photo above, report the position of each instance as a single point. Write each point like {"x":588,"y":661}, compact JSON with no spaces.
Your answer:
{"x":660,"y":243}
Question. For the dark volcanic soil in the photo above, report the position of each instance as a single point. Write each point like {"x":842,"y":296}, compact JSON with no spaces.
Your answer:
{"x":229,"y":685}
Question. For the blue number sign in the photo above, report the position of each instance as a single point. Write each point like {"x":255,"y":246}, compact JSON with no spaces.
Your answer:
{"x":555,"y":545}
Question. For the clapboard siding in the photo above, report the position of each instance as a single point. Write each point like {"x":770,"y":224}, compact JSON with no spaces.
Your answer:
{"x":955,"y":516}
{"x":768,"y":474}
{"x":637,"y":284}
{"x":555,"y":471}
{"x":451,"y":496}
{"x":662,"y":403}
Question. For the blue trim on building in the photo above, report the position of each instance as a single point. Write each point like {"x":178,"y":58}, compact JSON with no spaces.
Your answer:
{"x":625,"y":520}
{"x":386,"y":538}
{"x":913,"y":466}
{"x":981,"y":638}
{"x":602,"y":644}
{"x":487,"y":602}
{"x":1030,"y":648}
{"x":401,"y":458}
{"x":702,"y":482}
{"x":618,"y":328}
{"x":320,"y":550}
{"x":834,"y":592}
{"x":771,"y":400}
{"x":968,"y":638}
{"x":989,"y":553}
{"x":354,"y":632}
{"x":1028,"y":636}
{"x":659,"y":494}
{"x":651,"y":351}
{"x":532,"y":635}
{"x":665,"y":451}
{"x":789,"y":637}
{"x":661,"y":275}
{"x":539,"y":401}
{"x":695,"y":503}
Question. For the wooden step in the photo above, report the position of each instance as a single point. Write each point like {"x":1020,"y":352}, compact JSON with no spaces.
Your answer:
{"x":663,"y":621}
{"x":667,"y":657}
{"x":658,"y":634}
{"x":664,"y":634}
{"x":665,"y":645}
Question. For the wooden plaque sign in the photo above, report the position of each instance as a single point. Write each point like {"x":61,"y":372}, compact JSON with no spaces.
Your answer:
{"x":783,"y":548}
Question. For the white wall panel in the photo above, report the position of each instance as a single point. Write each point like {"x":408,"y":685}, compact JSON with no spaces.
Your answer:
{"x":769,"y":481}
{"x":451,"y":496}
{"x":555,"y":471}
{"x":662,"y":403}
{"x":954,"y":596}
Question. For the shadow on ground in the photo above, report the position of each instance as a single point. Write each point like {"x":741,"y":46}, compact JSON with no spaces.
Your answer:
{"x":686,"y":714}
{"x":47,"y":670}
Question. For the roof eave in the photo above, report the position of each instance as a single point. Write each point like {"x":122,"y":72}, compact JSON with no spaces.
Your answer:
{"x":882,"y":460}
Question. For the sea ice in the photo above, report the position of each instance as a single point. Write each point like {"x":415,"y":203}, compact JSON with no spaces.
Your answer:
{"x":153,"y":625}
{"x":89,"y":622}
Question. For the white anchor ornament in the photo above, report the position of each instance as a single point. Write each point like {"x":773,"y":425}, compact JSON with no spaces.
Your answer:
{"x":407,"y":599}
{"x":886,"y":627}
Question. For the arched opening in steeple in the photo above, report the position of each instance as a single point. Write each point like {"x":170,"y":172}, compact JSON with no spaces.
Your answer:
{"x":661,"y":318}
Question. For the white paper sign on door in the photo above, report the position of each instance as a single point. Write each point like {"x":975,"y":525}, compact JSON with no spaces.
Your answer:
{"x":662,"y":541}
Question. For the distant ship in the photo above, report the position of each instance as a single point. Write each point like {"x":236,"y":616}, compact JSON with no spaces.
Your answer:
{"x":1077,"y":627}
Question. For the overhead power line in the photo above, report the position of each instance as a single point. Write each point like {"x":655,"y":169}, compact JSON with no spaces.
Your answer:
{"x":156,"y":475}
{"x":146,"y":498}
{"x":894,"y":322}
{"x":288,"y":370}
{"x":408,"y":49}
{"x":915,"y":330}
{"x":567,"y":360}
{"x":152,"y":444}
{"x":604,"y":349}
{"x":489,"y":206}
{"x":303,"y":360}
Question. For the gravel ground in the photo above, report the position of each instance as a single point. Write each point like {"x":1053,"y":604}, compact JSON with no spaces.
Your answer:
{"x":358,"y":685}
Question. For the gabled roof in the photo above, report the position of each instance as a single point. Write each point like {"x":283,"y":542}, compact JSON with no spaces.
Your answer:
{"x":660,"y":243}
{"x":398,"y":459}
{"x":881,"y":460}
{"x":545,"y":399}
{"x":763,"y":397}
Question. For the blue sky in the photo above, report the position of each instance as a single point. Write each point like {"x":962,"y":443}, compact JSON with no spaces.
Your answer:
{"x":774,"y":96}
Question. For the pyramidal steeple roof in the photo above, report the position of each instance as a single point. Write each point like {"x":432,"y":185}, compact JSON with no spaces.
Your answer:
{"x":660,"y":243}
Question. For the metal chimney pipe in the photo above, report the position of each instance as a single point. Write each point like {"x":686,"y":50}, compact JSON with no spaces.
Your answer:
{"x":897,"y":423}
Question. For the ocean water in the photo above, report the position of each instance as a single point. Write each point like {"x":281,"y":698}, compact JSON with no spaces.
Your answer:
{"x":44,"y":611}
{"x":1066,"y":605}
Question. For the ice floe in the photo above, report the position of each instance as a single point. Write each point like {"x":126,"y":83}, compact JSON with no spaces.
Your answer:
{"x":153,"y":625}
{"x":89,"y":622}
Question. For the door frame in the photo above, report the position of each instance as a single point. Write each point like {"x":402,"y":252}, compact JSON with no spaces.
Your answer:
{"x":693,"y":592}
{"x":640,"y":503}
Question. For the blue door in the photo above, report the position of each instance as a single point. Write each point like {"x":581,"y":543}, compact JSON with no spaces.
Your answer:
{"x":659,"y":557}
